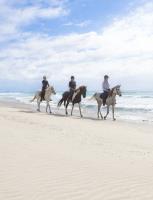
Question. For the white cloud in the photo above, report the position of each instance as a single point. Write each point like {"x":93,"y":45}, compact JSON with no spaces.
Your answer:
{"x":80,"y":24}
{"x":123,"y":50}
{"x":15,"y":14}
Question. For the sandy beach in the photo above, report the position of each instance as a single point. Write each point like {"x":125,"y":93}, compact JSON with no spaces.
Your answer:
{"x":53,"y":157}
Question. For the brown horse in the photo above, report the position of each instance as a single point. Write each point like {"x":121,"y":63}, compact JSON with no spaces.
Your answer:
{"x":67,"y":98}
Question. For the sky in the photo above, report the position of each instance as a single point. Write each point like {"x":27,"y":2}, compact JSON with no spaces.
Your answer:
{"x":84,"y":38}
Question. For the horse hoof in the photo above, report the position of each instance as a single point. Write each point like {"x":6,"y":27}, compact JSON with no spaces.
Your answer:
{"x":38,"y":110}
{"x":104,"y":118}
{"x":81,"y":116}
{"x":114,"y":119}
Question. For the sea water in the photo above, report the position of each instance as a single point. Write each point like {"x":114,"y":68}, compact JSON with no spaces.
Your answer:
{"x":132,"y":105}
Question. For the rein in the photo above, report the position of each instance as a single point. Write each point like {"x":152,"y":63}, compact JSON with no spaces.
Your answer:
{"x":79,"y":90}
{"x":111,"y":92}
{"x":78,"y":93}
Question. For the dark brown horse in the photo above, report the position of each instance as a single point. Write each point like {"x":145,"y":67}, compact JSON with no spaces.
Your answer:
{"x":67,"y":98}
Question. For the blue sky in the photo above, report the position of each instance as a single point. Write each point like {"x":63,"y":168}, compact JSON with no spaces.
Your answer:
{"x":87,"y":38}
{"x":82,"y":16}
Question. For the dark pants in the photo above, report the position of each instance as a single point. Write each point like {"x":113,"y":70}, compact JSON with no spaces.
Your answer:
{"x":43,"y":94}
{"x":105,"y":95}
{"x":71,"y":93}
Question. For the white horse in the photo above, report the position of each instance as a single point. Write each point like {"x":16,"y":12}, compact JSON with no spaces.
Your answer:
{"x":48,"y":92}
{"x":110,"y":101}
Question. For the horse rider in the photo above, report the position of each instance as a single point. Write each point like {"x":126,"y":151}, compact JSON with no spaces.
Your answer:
{"x":72,"y":86}
{"x":106,"y":89}
{"x":45,"y":85}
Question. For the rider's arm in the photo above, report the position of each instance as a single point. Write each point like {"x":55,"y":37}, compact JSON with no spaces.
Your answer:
{"x":74,"y":85}
{"x":105,"y":86}
{"x":70,"y":85}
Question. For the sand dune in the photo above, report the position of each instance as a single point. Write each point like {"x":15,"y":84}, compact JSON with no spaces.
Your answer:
{"x":45,"y":157}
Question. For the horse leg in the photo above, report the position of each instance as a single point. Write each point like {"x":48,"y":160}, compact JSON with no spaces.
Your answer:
{"x":48,"y":106}
{"x":100,"y":112}
{"x":113,"y":112}
{"x":38,"y":103}
{"x":80,"y":110}
{"x":66,"y":113}
{"x":72,"y":109}
{"x":107,"y":112}
{"x":67,"y":103}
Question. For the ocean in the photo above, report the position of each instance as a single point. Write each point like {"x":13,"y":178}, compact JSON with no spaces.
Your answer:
{"x":132,"y":106}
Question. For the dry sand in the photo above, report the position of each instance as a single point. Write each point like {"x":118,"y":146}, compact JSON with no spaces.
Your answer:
{"x":53,"y":157}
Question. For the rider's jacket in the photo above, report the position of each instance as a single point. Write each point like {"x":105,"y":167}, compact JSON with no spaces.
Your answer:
{"x":44,"y":84}
{"x":72,"y":85}
{"x":105,"y":86}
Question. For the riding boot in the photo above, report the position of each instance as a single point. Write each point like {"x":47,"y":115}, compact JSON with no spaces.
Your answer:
{"x":43,"y":95}
{"x":42,"y":98}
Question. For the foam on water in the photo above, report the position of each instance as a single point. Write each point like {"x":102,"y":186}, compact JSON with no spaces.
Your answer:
{"x":136,"y":106}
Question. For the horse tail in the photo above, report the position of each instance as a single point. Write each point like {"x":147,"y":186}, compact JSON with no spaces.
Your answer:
{"x":93,"y":97}
{"x":60,"y":102}
{"x":33,"y":99}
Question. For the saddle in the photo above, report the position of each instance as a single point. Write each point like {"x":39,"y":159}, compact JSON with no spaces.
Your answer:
{"x":104,"y":96}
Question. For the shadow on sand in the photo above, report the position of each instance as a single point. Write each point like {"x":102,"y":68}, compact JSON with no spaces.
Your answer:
{"x":63,"y":115}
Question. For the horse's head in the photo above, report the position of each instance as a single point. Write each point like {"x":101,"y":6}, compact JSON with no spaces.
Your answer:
{"x":83,"y":90}
{"x":118,"y":90}
{"x":51,"y":89}
{"x":115,"y":91}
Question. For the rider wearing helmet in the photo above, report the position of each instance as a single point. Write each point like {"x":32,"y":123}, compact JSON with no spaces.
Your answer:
{"x":106,"y":88}
{"x":45,"y":84}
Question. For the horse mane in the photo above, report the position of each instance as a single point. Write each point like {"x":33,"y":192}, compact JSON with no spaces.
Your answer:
{"x":112,"y":90}
{"x":80,"y":88}
{"x":50,"y":86}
